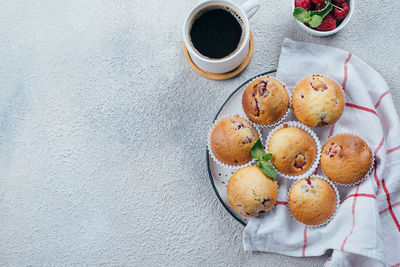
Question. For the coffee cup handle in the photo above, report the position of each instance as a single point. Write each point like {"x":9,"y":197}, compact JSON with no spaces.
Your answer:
{"x":250,"y":7}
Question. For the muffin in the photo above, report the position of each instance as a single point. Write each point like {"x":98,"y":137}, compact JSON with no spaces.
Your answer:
{"x":346,"y":159}
{"x":312,"y":201}
{"x":250,"y":191}
{"x":265,"y":101}
{"x":293,"y":150}
{"x":317,"y":101}
{"x":232,"y":139}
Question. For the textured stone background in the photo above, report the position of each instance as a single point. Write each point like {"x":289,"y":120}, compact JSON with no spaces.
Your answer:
{"x":103,"y":126}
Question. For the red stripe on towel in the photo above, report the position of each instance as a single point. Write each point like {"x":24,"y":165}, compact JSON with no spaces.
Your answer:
{"x":345,"y":71}
{"x":359,"y":195}
{"x":380,"y":98}
{"x":353,"y":209}
{"x":379,"y":146}
{"x":375,"y":152}
{"x":390,"y":205}
{"x":392,"y":149}
{"x":303,"y":251}
{"x":376,"y":177}
{"x":362,"y":108}
{"x":331,"y":131}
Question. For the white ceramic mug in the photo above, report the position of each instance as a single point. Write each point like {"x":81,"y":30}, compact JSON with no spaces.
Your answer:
{"x":226,"y":64}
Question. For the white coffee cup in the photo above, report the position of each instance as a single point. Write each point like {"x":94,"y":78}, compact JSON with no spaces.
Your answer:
{"x":226,"y":64}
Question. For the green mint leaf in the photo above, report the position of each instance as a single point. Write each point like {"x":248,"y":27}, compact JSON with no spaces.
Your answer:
{"x":301,"y":14}
{"x":257,"y":151}
{"x":266,"y":157}
{"x":271,"y":172}
{"x":263,"y":160}
{"x":266,"y":163}
{"x":323,"y":12}
{"x":267,"y":169}
{"x":315,"y":21}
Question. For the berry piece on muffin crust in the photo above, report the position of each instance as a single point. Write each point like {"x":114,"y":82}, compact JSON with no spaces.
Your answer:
{"x":312,"y":201}
{"x":293,"y":150}
{"x":346,"y":159}
{"x":232,"y":139}
{"x":317,"y":101}
{"x":265,"y":101}
{"x":251,"y":192}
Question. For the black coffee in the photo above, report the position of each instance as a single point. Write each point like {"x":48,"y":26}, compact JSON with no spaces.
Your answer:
{"x":216,"y":33}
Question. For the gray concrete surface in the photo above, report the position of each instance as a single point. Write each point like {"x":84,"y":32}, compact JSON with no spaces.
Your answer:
{"x":103,"y":130}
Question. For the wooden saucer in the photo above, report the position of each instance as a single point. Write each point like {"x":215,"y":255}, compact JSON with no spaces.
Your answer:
{"x":222,"y":76}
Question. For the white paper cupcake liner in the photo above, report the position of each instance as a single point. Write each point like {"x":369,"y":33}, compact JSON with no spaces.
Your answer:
{"x":372,"y":155}
{"x":220,"y":163}
{"x":265,"y":126}
{"x":337,"y":200}
{"x":299,"y":125}
{"x":341,"y":88}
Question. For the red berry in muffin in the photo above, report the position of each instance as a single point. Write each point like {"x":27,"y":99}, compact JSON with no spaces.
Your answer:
{"x":250,"y":192}
{"x":265,"y":101}
{"x":306,"y":4}
{"x":232,"y":139}
{"x":317,"y":101}
{"x":341,"y":13}
{"x":293,"y":150}
{"x":351,"y":153}
{"x":328,"y":23}
{"x":312,"y":201}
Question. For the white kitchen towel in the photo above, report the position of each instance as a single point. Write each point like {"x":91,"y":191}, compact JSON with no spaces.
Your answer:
{"x":365,"y":230}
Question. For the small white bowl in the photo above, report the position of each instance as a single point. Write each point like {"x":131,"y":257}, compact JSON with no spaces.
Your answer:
{"x":327,"y":33}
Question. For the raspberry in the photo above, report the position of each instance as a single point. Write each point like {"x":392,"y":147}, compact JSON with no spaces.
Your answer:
{"x":300,"y":161}
{"x":317,"y":1}
{"x":306,"y":4}
{"x":341,"y":14}
{"x":338,"y":2}
{"x":328,"y":23}
{"x":319,"y":6}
